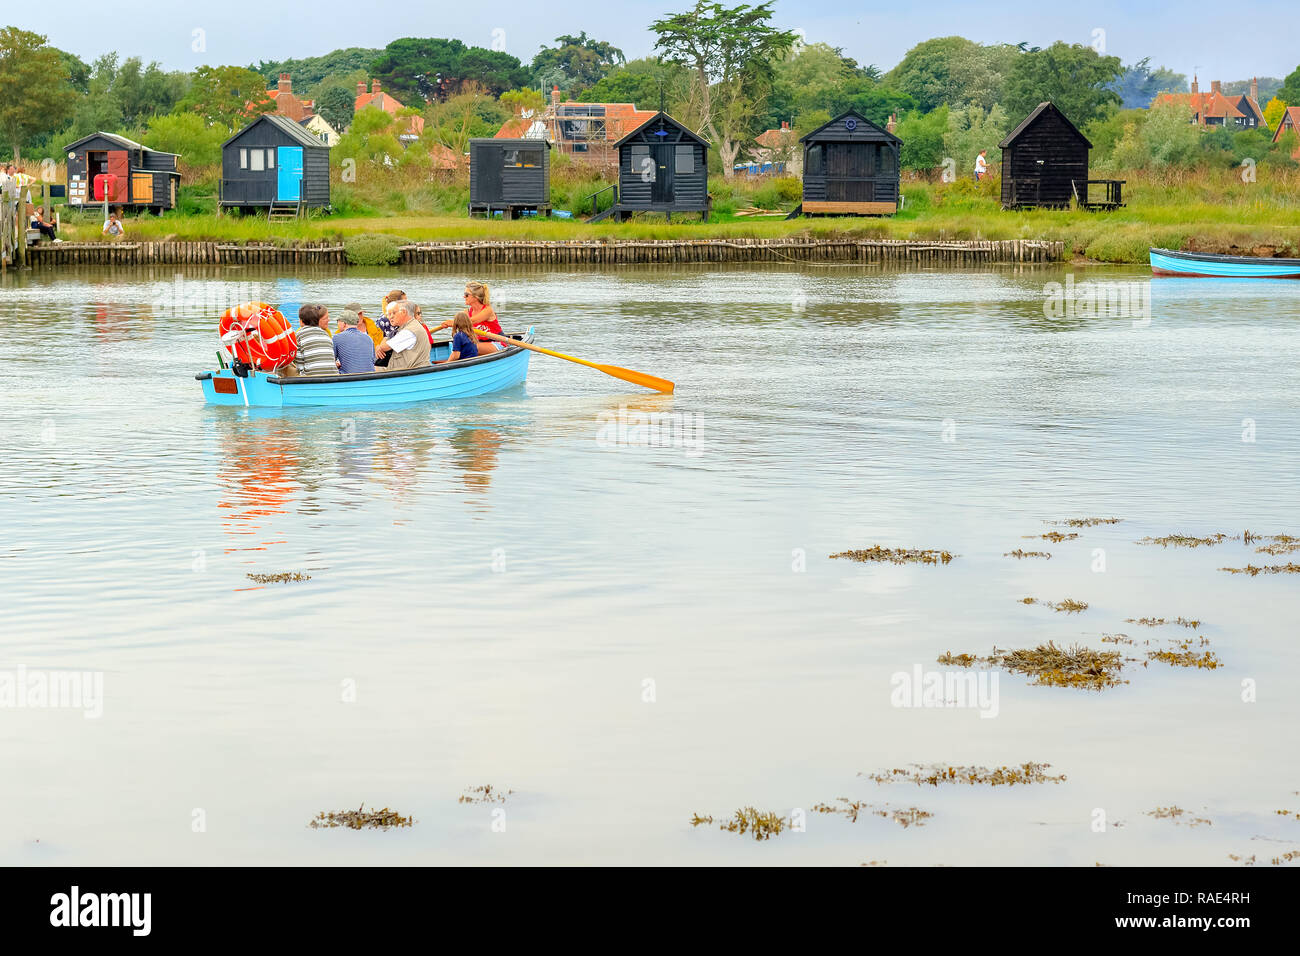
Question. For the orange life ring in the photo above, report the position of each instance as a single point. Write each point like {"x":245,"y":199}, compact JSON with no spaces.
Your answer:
{"x":258,"y":334}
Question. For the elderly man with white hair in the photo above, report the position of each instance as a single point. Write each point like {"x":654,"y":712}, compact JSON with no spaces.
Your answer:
{"x":408,"y":347}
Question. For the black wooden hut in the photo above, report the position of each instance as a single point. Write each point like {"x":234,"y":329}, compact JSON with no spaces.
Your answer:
{"x":1042,"y":161}
{"x":510,"y":175}
{"x":135,"y":176}
{"x":662,"y":167}
{"x":850,"y":168}
{"x":274,"y":164}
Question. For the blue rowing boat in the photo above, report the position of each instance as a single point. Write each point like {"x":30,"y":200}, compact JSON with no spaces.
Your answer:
{"x":1167,"y":262}
{"x":462,"y":379}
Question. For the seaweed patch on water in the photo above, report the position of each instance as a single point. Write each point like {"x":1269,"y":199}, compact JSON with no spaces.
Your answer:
{"x":935,"y":774}
{"x":361,"y":819}
{"x":484,"y":794}
{"x":279,"y":577}
{"x":758,"y":824}
{"x":1160,"y":621}
{"x":1086,"y":522}
{"x":957,"y":660}
{"x":1186,"y":541}
{"x":1056,"y":537}
{"x":1182,"y":655}
{"x":1289,"y":568}
{"x":897,"y":555}
{"x":1116,"y":639}
{"x":911,"y":816}
{"x":1019,"y":553}
{"x":1052,"y":666}
{"x":1177,"y":815}
{"x":1069,"y":605}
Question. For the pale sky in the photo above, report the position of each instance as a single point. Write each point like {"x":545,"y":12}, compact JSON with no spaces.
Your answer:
{"x":1214,"y":39}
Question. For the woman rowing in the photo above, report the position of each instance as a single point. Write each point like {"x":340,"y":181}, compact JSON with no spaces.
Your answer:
{"x":484,"y":318}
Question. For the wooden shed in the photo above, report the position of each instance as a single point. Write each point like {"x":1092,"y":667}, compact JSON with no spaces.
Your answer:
{"x":141,"y":178}
{"x":1042,"y":160}
{"x":274,"y":164}
{"x":509,"y":175}
{"x":850,"y":168}
{"x":662,"y":167}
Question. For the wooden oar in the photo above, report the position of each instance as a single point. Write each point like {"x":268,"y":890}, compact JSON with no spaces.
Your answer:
{"x":626,"y":374}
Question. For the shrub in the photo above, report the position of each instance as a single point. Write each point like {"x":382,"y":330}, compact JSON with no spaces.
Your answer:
{"x":374,"y":249}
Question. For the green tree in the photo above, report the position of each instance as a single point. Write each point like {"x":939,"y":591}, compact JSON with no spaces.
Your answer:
{"x":971,"y":129}
{"x":1290,"y":90}
{"x":521,"y":101}
{"x":35,"y":94}
{"x":312,"y":72}
{"x":874,"y":100}
{"x":731,"y":52}
{"x":187,"y":135}
{"x":336,"y":104}
{"x":229,"y":95}
{"x":1161,"y":136}
{"x":955,"y":71}
{"x":582,"y":60}
{"x":639,"y":83}
{"x":922,"y":136}
{"x":408,"y":67}
{"x":1075,"y":78}
{"x":78,"y":71}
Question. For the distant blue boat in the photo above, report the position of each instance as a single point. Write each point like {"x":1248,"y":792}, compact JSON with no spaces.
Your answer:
{"x":463,"y":379}
{"x":1166,"y":262}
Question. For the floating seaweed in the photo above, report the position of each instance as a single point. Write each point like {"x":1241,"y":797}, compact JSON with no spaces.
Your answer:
{"x":1160,"y":621}
{"x":1289,"y":568}
{"x":958,"y":660}
{"x":1283,"y":544}
{"x":1176,"y":814}
{"x":1075,"y":666}
{"x":1018,"y":553}
{"x":484,"y":794}
{"x":1086,"y":522}
{"x":1186,"y":541}
{"x":897,"y":555}
{"x":1056,"y":537}
{"x":935,"y":774}
{"x":1182,"y":655}
{"x":759,"y":825}
{"x":360,"y":819}
{"x":1116,"y":639}
{"x":279,"y":577}
{"x":912,"y":816}
{"x":1069,"y":605}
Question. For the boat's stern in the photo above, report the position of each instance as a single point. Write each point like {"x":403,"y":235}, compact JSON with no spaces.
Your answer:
{"x":224,"y":387}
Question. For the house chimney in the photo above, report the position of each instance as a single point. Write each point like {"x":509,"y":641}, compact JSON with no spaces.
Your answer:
{"x":285,"y":85}
{"x":785,"y":125}
{"x":1254,"y":88}
{"x":374,"y":87}
{"x":892,"y":124}
{"x":555,"y":96}
{"x":1196,"y":87}
{"x":1215,"y":86}
{"x":361,"y":88}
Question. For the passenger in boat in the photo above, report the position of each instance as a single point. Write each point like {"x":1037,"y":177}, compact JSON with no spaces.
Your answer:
{"x":478,"y":304}
{"x":386,"y":323}
{"x":368,"y":325}
{"x":464,"y":344}
{"x":353,"y":349}
{"x":408,"y":347}
{"x":315,"y":348}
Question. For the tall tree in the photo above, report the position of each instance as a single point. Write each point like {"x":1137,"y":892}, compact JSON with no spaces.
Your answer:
{"x":731,"y":51}
{"x":313,"y":71}
{"x":34,"y":90}
{"x":1290,"y":90}
{"x":582,"y":60}
{"x":640,"y":82}
{"x":336,"y":104}
{"x":229,"y":95}
{"x":410,"y":66}
{"x":955,"y":71}
{"x":1074,"y":77}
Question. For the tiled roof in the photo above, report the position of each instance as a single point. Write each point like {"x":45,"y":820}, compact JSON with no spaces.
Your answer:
{"x":1204,"y":104}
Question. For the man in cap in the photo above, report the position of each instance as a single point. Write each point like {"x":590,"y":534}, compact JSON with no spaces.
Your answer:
{"x":352,"y":347}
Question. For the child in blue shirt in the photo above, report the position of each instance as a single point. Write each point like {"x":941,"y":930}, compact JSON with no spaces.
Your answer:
{"x":464,"y":344}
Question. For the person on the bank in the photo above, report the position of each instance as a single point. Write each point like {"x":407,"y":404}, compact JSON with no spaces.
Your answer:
{"x":47,"y":228}
{"x":464,"y":344}
{"x":408,"y":347}
{"x":981,"y":165}
{"x":353,"y":349}
{"x":315,"y":347}
{"x":113,"y":227}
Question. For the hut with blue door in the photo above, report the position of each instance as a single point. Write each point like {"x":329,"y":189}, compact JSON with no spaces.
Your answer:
{"x":276,"y":165}
{"x":662,"y":167}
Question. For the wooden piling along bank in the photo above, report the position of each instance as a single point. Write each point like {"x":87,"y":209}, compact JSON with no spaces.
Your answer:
{"x":899,"y":252}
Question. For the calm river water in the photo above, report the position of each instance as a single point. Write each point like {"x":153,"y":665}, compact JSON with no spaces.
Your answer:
{"x":501,"y":593}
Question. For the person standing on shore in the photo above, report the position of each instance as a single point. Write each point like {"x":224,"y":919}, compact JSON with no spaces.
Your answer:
{"x":981,"y":165}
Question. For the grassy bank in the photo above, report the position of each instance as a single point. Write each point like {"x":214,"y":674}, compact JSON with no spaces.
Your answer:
{"x":1207,"y":210}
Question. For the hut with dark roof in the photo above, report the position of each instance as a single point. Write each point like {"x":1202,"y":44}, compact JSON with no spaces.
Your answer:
{"x":662,"y":167}
{"x":276,"y":165}
{"x":106,"y":166}
{"x":1044,"y":161}
{"x":850,"y":168}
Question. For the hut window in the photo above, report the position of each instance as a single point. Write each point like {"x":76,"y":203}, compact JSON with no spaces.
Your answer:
{"x":530,"y":158}
{"x":243,"y":159}
{"x":510,"y":157}
{"x":684,"y":160}
{"x":885,"y":161}
{"x":815,"y":159}
{"x":270,"y":159}
{"x":257,"y":160}
{"x":642,"y":164}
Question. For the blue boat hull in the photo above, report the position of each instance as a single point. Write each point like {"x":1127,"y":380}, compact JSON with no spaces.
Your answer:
{"x":1166,"y":262}
{"x":466,"y":379}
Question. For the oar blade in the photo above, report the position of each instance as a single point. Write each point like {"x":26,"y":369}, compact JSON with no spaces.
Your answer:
{"x":651,"y":382}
